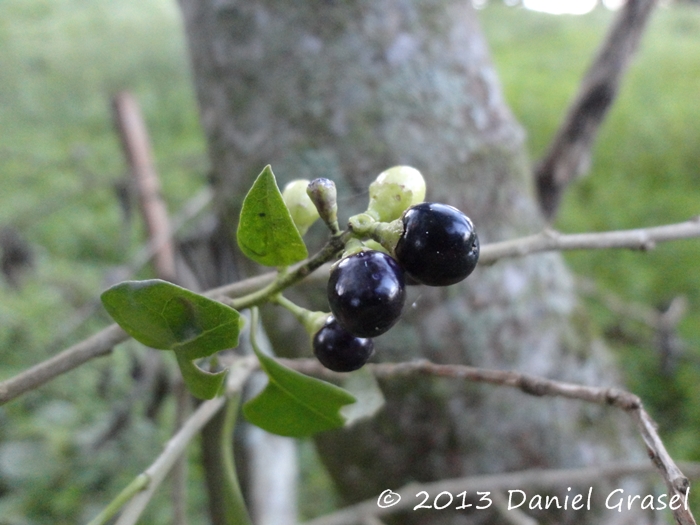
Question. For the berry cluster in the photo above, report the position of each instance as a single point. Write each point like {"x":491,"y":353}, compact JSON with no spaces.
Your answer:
{"x":416,"y":242}
{"x":366,"y":290}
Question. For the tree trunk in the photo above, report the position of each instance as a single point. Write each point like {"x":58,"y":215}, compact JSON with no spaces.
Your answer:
{"x":345,"y":90}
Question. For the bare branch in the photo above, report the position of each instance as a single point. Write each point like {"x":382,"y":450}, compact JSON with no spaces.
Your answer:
{"x":533,"y":385}
{"x":551,"y":240}
{"x":569,"y":153}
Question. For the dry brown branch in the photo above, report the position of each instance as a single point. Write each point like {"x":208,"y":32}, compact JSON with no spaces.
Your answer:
{"x":550,"y":240}
{"x":569,"y":152}
{"x":137,"y":148}
{"x":676,"y":482}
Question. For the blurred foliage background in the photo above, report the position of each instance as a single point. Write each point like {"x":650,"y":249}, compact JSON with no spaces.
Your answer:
{"x":61,"y":169}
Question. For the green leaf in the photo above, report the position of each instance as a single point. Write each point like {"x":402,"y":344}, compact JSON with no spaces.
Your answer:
{"x":165,"y":316}
{"x":202,"y":385}
{"x":293,"y":404}
{"x":266,"y":231}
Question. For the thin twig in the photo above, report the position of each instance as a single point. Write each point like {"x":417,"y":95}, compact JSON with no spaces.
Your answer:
{"x":139,"y":483}
{"x":550,"y":240}
{"x":102,"y":342}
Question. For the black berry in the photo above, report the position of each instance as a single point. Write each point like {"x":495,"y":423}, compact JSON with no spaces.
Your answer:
{"x":366,"y":292}
{"x":339,"y":350}
{"x":438,"y":246}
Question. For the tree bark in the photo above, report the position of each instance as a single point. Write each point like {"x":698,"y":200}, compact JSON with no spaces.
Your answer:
{"x":345,"y":90}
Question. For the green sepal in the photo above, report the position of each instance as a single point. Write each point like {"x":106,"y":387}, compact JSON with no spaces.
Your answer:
{"x":266,"y":232}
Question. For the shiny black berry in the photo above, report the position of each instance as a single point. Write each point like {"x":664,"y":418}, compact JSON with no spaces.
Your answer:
{"x":339,"y":350}
{"x":366,"y":292}
{"x":438,"y":246}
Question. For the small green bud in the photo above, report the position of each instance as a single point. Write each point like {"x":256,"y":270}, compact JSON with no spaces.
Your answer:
{"x":323,"y":194}
{"x":300,"y":207}
{"x":394,"y":191}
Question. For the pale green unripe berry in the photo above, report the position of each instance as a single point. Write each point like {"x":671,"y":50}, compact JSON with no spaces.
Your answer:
{"x":394,"y":191}
{"x":303,"y":211}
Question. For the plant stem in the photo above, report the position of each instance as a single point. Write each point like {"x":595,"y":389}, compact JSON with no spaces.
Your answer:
{"x":235,"y":508}
{"x":328,"y":252}
{"x":312,"y":321}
